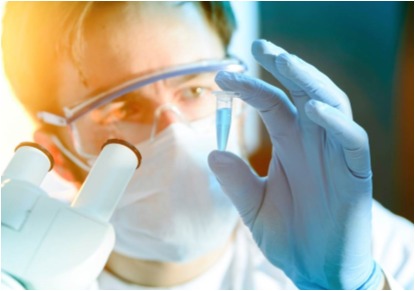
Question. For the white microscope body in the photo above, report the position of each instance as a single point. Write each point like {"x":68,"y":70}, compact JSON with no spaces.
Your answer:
{"x":48,"y":244}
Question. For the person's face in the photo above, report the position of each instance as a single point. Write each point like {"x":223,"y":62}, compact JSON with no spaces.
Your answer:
{"x":123,"y":41}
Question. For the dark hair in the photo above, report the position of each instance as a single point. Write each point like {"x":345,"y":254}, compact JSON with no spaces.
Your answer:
{"x":35,"y":34}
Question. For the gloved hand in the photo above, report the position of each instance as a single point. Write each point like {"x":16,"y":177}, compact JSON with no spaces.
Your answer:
{"x":311,"y":217}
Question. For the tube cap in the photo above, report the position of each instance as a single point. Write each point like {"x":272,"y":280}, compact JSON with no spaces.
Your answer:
{"x":128,"y":145}
{"x":39,"y":147}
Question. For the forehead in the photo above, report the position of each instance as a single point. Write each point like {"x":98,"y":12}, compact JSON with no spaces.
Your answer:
{"x":123,"y":41}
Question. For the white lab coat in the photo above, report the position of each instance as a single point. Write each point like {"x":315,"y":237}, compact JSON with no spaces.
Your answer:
{"x":243,"y":266}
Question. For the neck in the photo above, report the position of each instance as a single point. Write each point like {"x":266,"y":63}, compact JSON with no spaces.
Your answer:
{"x":161,"y":274}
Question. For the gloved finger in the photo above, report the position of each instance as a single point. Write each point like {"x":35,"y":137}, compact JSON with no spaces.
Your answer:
{"x":317,"y":85}
{"x":276,"y":109}
{"x":348,"y":133}
{"x":243,"y":187}
{"x":300,"y":98}
{"x":265,"y":53}
{"x":297,"y":75}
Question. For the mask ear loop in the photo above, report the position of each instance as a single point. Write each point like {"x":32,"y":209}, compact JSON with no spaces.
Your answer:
{"x":77,"y":138}
{"x":70,"y":155}
{"x":157,"y":113}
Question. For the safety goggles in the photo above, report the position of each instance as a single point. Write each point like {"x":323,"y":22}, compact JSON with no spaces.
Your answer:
{"x":135,"y":111}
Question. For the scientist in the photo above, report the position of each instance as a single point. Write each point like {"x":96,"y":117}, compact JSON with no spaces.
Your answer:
{"x":143,"y":72}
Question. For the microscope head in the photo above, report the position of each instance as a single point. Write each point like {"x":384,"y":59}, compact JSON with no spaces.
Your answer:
{"x":48,"y":244}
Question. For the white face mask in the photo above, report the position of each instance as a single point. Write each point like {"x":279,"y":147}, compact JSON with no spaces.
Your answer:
{"x":174,"y":209}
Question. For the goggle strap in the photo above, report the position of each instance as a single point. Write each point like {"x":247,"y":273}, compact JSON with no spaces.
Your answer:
{"x":69,"y":155}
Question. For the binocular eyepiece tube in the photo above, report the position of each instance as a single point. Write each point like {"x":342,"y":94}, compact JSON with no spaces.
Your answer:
{"x":108,"y":179}
{"x":31,"y":162}
{"x":102,"y":189}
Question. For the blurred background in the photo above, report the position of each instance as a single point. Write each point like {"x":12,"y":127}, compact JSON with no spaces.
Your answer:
{"x":366,"y":48}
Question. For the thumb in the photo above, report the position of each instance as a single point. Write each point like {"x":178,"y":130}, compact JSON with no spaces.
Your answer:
{"x":243,"y":187}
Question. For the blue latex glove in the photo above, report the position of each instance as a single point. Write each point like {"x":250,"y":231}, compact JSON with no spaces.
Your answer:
{"x":311,"y":217}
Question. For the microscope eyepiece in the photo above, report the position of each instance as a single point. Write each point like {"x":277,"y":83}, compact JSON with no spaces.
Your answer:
{"x":30,"y":163}
{"x":39,"y":147}
{"x":128,"y":145}
{"x":108,"y":179}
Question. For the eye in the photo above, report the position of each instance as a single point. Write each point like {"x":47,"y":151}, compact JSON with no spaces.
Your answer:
{"x":114,"y":112}
{"x":194,"y":92}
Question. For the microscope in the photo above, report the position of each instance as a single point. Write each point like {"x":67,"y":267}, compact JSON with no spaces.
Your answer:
{"x":48,"y":244}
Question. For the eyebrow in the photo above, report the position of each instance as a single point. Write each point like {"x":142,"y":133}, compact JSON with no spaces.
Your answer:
{"x":187,"y":78}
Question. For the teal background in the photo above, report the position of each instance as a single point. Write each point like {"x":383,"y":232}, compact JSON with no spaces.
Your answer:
{"x":359,"y":46}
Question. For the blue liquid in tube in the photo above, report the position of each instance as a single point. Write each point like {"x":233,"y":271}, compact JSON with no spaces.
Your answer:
{"x":223,"y":125}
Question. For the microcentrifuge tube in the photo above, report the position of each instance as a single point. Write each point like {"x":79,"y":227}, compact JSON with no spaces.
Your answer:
{"x":223,"y":116}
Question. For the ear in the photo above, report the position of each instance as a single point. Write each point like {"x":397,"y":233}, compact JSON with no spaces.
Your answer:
{"x":60,"y":167}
